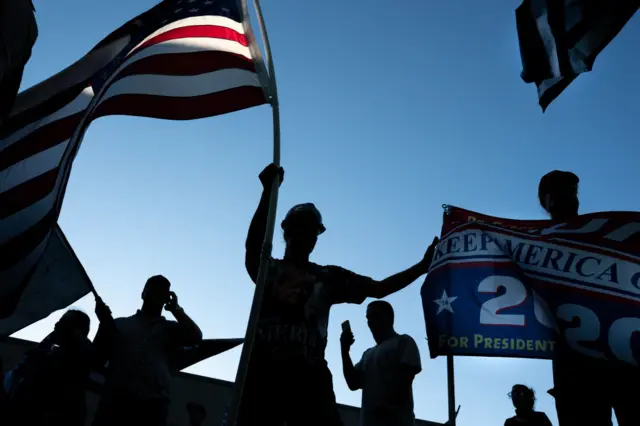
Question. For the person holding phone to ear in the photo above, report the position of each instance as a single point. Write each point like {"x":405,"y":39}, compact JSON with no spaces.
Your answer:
{"x":138,"y":349}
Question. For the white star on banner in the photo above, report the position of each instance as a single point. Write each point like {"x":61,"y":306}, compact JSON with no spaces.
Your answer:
{"x":194,"y":10}
{"x":178,"y":10}
{"x":444,"y":303}
{"x":208,"y":3}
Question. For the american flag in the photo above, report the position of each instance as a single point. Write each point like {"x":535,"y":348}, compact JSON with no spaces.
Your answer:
{"x":560,"y":39}
{"x":180,"y":60}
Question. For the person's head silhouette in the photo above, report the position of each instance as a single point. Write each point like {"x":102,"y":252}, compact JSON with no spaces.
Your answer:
{"x":523,"y":398}
{"x":301,"y":227}
{"x":197,"y":414}
{"x":156,"y":293}
{"x":380,"y":318}
{"x":558,"y":195}
{"x":73,"y":323}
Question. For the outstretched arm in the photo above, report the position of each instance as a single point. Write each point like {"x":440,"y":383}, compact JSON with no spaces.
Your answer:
{"x":258,"y":227}
{"x":396,"y":282}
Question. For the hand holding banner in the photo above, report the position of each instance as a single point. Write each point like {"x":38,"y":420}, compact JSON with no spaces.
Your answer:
{"x":529,"y":289}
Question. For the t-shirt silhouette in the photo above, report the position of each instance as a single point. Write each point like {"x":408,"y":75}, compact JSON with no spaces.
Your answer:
{"x":385,"y":400}
{"x":535,"y":418}
{"x":295,"y":311}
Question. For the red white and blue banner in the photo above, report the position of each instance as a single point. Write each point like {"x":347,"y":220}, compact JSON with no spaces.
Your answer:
{"x":522,"y":288}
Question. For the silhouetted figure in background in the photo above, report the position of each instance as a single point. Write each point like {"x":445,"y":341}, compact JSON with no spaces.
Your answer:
{"x":386,"y":371}
{"x":288,"y":378}
{"x":18,"y":34}
{"x":48,"y":386}
{"x":524,"y":399}
{"x":197,"y":414}
{"x":138,"y":379}
{"x":585,"y":388}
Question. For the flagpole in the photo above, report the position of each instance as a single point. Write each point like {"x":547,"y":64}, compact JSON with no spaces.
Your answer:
{"x":267,"y":245}
{"x":451,"y":391}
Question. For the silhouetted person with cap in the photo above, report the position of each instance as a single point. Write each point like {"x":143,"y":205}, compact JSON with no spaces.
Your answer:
{"x":288,"y":378}
{"x":18,"y":34}
{"x":197,"y":414}
{"x":49,"y":384}
{"x":586,"y":389}
{"x":138,"y":349}
{"x":385,"y":372}
{"x":524,"y":400}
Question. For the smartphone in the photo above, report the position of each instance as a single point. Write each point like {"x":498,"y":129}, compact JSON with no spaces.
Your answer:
{"x":346,"y":326}
{"x":170,"y":298}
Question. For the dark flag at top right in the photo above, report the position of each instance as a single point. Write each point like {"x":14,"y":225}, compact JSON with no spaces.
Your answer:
{"x":560,"y":39}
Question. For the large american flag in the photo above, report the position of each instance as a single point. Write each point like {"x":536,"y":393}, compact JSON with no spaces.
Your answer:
{"x":180,"y":60}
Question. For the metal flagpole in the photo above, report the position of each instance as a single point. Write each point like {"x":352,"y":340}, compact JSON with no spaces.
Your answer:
{"x":452,"y":391}
{"x":453,"y":412}
{"x":267,"y":245}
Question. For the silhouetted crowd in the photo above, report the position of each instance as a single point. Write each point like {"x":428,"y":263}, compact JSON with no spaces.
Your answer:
{"x":288,"y":382}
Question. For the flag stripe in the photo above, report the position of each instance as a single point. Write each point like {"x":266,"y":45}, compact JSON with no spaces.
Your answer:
{"x":34,"y":165}
{"x":26,"y":242}
{"x":183,"y":64}
{"x":24,"y":195}
{"x":178,"y":108}
{"x":201,"y":31}
{"x":40,"y":140}
{"x":219,"y":21}
{"x":182,"y":86}
{"x":77,"y":104}
{"x":187,"y":47}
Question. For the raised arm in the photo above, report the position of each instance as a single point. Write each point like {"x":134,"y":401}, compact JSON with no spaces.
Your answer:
{"x":396,"y":282}
{"x":352,"y":375}
{"x":102,"y":343}
{"x":258,"y":227}
{"x":190,"y":332}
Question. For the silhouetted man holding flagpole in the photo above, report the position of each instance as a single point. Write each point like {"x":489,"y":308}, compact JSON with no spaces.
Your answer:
{"x":288,"y":379}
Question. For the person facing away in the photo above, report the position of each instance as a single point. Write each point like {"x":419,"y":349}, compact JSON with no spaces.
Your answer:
{"x":197,"y":414}
{"x":48,"y":386}
{"x":18,"y":34}
{"x":288,"y":378}
{"x":524,"y":399}
{"x":586,"y":389}
{"x":386,"y":371}
{"x":138,"y":349}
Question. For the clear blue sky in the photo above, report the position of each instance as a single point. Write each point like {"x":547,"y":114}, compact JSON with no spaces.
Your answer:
{"x":389,"y":110}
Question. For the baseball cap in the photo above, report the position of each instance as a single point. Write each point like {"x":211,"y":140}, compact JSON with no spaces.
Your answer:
{"x":304,"y":209}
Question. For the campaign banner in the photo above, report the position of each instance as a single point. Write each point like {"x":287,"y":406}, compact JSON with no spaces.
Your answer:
{"x":527,"y":289}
